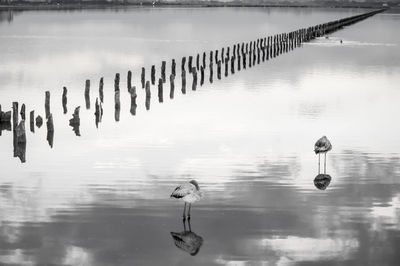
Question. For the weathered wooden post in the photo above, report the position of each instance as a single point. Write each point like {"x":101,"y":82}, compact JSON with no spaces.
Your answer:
{"x":201,"y":76}
{"x":219,"y":69}
{"x":143,"y":77}
{"x":183,"y":76}
{"x":239,"y":62}
{"x":50,"y":130}
{"x":32,"y":121}
{"x":173,"y":67}
{"x":216,"y":56}
{"x":148,"y":95}
{"x":171,"y":86}
{"x":129,"y":80}
{"x":244,"y":61}
{"x":194,"y":84}
{"x":211,"y":57}
{"x":222,"y":55}
{"x":133,"y":100}
{"x":5,"y":117}
{"x":64,"y":100}
{"x":233,"y":65}
{"x":198,"y":62}
{"x":75,"y":121}
{"x":250,"y":56}
{"x":101,"y":93}
{"x":22,"y":112}
{"x":19,"y":141}
{"x":47,"y":104}
{"x":211,"y":72}
{"x":190,"y":64}
{"x":20,"y":132}
{"x":117,"y":97}
{"x":228,"y":51}
{"x":39,"y":121}
{"x":226,"y":66}
{"x":153,"y":74}
{"x":163,"y":77}
{"x":97,"y":113}
{"x":204,"y":59}
{"x":183,"y":63}
{"x":160,"y":91}
{"x":87,"y":94}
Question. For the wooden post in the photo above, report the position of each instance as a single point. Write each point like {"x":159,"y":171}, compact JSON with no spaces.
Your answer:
{"x":148,"y":95}
{"x":64,"y":100}
{"x":153,"y":74}
{"x":204,"y":59}
{"x":239,"y":62}
{"x":219,"y":69}
{"x":190,"y":64}
{"x":20,"y":132}
{"x":183,"y":63}
{"x":75,"y":121}
{"x":163,"y":77}
{"x":129,"y":80}
{"x":216,"y":56}
{"x":47,"y":103}
{"x":22,"y":113}
{"x":211,"y":72}
{"x":201,"y":76}
{"x":87,"y":94}
{"x":244,"y":61}
{"x":232,"y":65}
{"x":32,"y":121}
{"x":97,"y":113}
{"x":222,"y":55}
{"x":142,"y":77}
{"x":50,"y":130}
{"x":198,"y":62}
{"x":173,"y":66}
{"x":226,"y":66}
{"x":133,"y":100}
{"x":171,"y":86}
{"x":160,"y":90}
{"x":101,"y":93}
{"x":117,"y":101}
{"x":211,"y":57}
{"x":194,"y":84}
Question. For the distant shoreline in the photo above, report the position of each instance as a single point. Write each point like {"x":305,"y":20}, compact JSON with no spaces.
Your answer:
{"x":198,"y":5}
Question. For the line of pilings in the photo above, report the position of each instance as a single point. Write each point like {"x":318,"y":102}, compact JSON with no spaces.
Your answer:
{"x":228,"y":60}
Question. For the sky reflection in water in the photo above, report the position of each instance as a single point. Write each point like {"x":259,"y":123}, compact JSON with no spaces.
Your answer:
{"x":103,"y":198}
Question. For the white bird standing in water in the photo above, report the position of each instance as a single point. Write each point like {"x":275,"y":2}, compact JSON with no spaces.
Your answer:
{"x":188,"y":192}
{"x":323,"y":145}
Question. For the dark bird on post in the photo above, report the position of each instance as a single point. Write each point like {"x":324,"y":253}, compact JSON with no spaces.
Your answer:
{"x":188,"y":192}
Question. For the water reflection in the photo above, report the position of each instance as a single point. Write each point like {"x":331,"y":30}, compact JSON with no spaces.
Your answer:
{"x":50,"y":130}
{"x":75,"y":121}
{"x":322,"y":181}
{"x":187,"y":240}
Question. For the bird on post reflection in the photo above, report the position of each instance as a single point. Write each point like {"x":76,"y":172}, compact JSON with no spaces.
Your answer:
{"x":187,"y":240}
{"x":188,"y":192}
{"x":323,"y":145}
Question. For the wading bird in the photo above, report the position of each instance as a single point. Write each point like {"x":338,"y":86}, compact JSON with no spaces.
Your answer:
{"x":323,"y":145}
{"x":188,"y":192}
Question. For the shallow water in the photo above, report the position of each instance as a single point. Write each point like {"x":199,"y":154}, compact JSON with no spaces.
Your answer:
{"x":103,"y":198}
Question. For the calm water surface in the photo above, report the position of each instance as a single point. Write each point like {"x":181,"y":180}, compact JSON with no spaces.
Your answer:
{"x":103,"y":198}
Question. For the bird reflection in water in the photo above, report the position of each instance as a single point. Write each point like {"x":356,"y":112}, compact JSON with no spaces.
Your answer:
{"x":187,"y":240}
{"x":322,"y":181}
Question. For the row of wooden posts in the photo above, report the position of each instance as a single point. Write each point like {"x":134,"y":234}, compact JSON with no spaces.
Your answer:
{"x":234,"y":58}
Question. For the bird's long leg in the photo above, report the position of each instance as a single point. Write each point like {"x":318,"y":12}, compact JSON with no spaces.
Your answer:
{"x":190,"y":226}
{"x":325,"y":164}
{"x":319,"y":159}
{"x":190,"y":205}
{"x":184,"y":224}
{"x":184,"y":212}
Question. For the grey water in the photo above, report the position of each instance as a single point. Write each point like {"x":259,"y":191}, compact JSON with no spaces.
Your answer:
{"x":102,"y":198}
